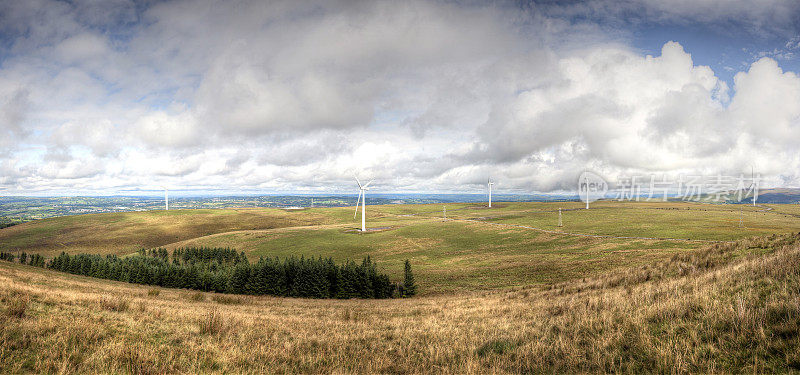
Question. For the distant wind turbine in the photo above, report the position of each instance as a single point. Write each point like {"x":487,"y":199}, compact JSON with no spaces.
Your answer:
{"x":362,"y":197}
{"x":489,"y":183}
{"x":586,"y":183}
{"x":166,"y":198}
{"x":560,"y":224}
{"x":753,"y":187}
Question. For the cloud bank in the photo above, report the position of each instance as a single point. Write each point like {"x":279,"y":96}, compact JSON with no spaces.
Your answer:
{"x":290,"y":96}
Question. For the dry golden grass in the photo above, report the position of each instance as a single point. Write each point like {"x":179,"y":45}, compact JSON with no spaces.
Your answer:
{"x":213,"y":323}
{"x":725,"y":308}
{"x":115,"y":303}
{"x":17,"y":305}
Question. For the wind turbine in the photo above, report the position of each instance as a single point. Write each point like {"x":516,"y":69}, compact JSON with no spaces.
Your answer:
{"x":753,"y":187}
{"x":166,"y":198}
{"x":560,"y":224}
{"x":586,"y":183}
{"x":489,"y":183}
{"x":362,"y":197}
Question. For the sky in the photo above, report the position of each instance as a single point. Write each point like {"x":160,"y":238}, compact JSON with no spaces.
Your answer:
{"x":124,"y":97}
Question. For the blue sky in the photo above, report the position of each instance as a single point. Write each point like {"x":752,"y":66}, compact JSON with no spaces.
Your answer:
{"x":423,"y":96}
{"x":726,"y":51}
{"x":728,"y":36}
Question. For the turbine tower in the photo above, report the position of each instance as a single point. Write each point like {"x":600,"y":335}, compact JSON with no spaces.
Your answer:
{"x":753,"y":185}
{"x":489,"y":183}
{"x":362,"y":197}
{"x":586,"y":183}
{"x":166,"y":198}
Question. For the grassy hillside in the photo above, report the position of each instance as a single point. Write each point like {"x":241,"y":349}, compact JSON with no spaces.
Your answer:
{"x":724,"y":308}
{"x":476,"y":249}
{"x":126,"y":232}
{"x":778,"y":196}
{"x":455,"y":256}
{"x":642,"y":219}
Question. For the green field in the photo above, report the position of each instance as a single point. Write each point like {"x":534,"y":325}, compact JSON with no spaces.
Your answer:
{"x":477,"y":248}
{"x":126,"y":232}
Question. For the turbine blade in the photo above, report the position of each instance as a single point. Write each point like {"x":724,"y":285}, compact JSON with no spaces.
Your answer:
{"x":370,"y":181}
{"x":359,"y":183}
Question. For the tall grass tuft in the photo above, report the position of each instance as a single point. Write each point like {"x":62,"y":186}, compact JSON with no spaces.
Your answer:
{"x":17,"y":306}
{"x":212,"y":323}
{"x":117,"y":304}
{"x":132,"y":359}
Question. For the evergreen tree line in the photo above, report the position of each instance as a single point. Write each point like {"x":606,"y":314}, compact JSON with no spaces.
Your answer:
{"x":225,"y":271}
{"x":35,"y":260}
{"x":197,"y":255}
{"x":7,"y":224}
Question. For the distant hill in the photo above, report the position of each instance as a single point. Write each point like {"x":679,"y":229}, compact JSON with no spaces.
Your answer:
{"x":776,"y":196}
{"x":20,"y":209}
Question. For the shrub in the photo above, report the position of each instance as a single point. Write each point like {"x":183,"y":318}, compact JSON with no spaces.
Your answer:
{"x":197,"y":297}
{"x":153,"y":292}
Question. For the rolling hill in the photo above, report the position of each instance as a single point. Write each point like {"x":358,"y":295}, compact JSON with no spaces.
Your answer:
{"x":476,"y":248}
{"x":724,"y":308}
{"x":622,"y":287}
{"x":777,"y":196}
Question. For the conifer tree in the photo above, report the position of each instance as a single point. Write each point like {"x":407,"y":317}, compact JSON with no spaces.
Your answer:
{"x":239,"y":278}
{"x":409,"y":287}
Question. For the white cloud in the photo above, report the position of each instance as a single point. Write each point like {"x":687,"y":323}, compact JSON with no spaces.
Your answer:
{"x":163,"y":129}
{"x":422,"y":95}
{"x":767,"y":104}
{"x":13,"y":111}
